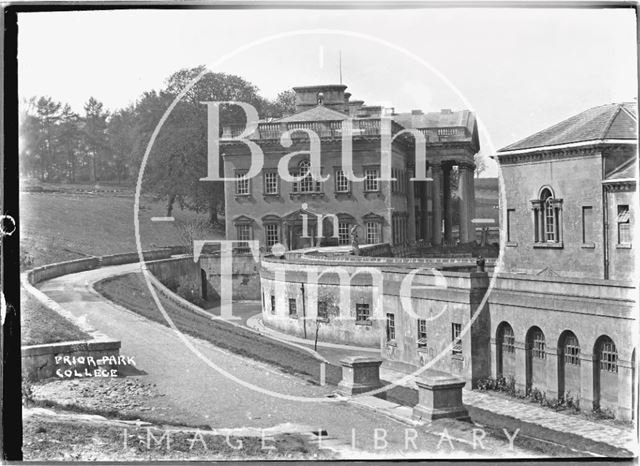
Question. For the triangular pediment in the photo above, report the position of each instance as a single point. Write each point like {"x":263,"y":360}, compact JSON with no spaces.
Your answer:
{"x":243,"y":219}
{"x":318,"y":113}
{"x":297,"y":215}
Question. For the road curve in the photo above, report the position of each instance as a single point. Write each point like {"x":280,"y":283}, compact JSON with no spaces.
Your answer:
{"x":199,"y":394}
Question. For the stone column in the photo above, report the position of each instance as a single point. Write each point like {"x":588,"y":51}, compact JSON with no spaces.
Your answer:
{"x":424,"y":204}
{"x":446,"y":202}
{"x":552,"y":372}
{"x":410,"y":189}
{"x":471,"y":207}
{"x":285,"y":235}
{"x":521,"y":366}
{"x":559,"y":220}
{"x":541,"y":232}
{"x":465,"y":204}
{"x":625,"y":385}
{"x":436,"y":173}
{"x":586,"y":382}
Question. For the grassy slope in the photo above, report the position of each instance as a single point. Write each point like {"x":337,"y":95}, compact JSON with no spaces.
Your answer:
{"x":59,"y":226}
{"x":41,"y":325}
{"x":63,"y":226}
{"x":131,"y":292}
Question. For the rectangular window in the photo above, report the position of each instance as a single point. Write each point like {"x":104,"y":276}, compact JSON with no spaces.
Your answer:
{"x":293,"y":310}
{"x":608,"y":358}
{"x":538,"y":345}
{"x":391,"y":327}
{"x":394,"y":180}
{"x":510,"y":214}
{"x":242,"y":184}
{"x":572,"y":351}
{"x":272,"y":232}
{"x":508,"y":341}
{"x":323,"y":314}
{"x":343,"y":232}
{"x":363,"y":314}
{"x":422,"y":333}
{"x":587,"y":224}
{"x":273,"y":304}
{"x":307,"y":184}
{"x":624,"y":225}
{"x":271,"y":183}
{"x":342,"y":183}
{"x":373,"y":232}
{"x":243,"y":233}
{"x":371,"y":180}
{"x":456,"y":329}
{"x":550,"y":221}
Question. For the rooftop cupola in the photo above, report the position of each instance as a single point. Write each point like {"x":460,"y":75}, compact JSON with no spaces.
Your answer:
{"x":332,"y":96}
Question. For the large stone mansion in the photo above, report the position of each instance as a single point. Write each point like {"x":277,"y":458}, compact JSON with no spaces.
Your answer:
{"x":561,"y":315}
{"x":271,"y":210}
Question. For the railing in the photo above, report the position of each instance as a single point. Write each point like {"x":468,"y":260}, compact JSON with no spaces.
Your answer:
{"x":446,"y":134}
{"x":333,"y":129}
{"x":324,"y":129}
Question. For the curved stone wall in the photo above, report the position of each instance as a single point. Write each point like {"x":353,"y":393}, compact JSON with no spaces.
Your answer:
{"x":406,"y":291}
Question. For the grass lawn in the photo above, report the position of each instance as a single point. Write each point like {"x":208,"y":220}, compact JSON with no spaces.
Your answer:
{"x":61,"y":226}
{"x":131,"y":292}
{"x":41,"y":325}
{"x":70,"y":222}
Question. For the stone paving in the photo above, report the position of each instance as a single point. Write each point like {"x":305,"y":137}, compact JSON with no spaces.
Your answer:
{"x":613,"y":435}
{"x":617,"y":436}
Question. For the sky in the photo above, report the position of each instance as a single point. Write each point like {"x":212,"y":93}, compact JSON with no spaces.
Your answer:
{"x":521,"y":70}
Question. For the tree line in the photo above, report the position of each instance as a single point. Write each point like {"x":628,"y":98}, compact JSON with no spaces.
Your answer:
{"x":59,"y":145}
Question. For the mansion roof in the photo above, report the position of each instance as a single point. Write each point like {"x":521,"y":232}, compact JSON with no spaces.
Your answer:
{"x":442,"y":119}
{"x":616,"y":121}
{"x":318,"y":113}
{"x":324,"y":108}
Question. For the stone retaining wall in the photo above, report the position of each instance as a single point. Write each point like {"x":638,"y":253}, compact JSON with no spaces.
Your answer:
{"x":39,"y":361}
{"x":245,"y":275}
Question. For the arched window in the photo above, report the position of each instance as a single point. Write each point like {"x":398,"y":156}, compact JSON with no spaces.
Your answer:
{"x":307,"y":184}
{"x":320,"y":98}
{"x":547,"y":217}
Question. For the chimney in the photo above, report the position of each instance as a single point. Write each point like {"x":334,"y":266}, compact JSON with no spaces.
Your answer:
{"x":354,"y":106}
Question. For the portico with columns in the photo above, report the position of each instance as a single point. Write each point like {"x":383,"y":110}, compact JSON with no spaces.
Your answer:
{"x":452,"y":142}
{"x":437,"y":201}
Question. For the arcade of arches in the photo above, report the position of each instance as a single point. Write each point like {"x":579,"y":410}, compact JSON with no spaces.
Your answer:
{"x":567,"y":367}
